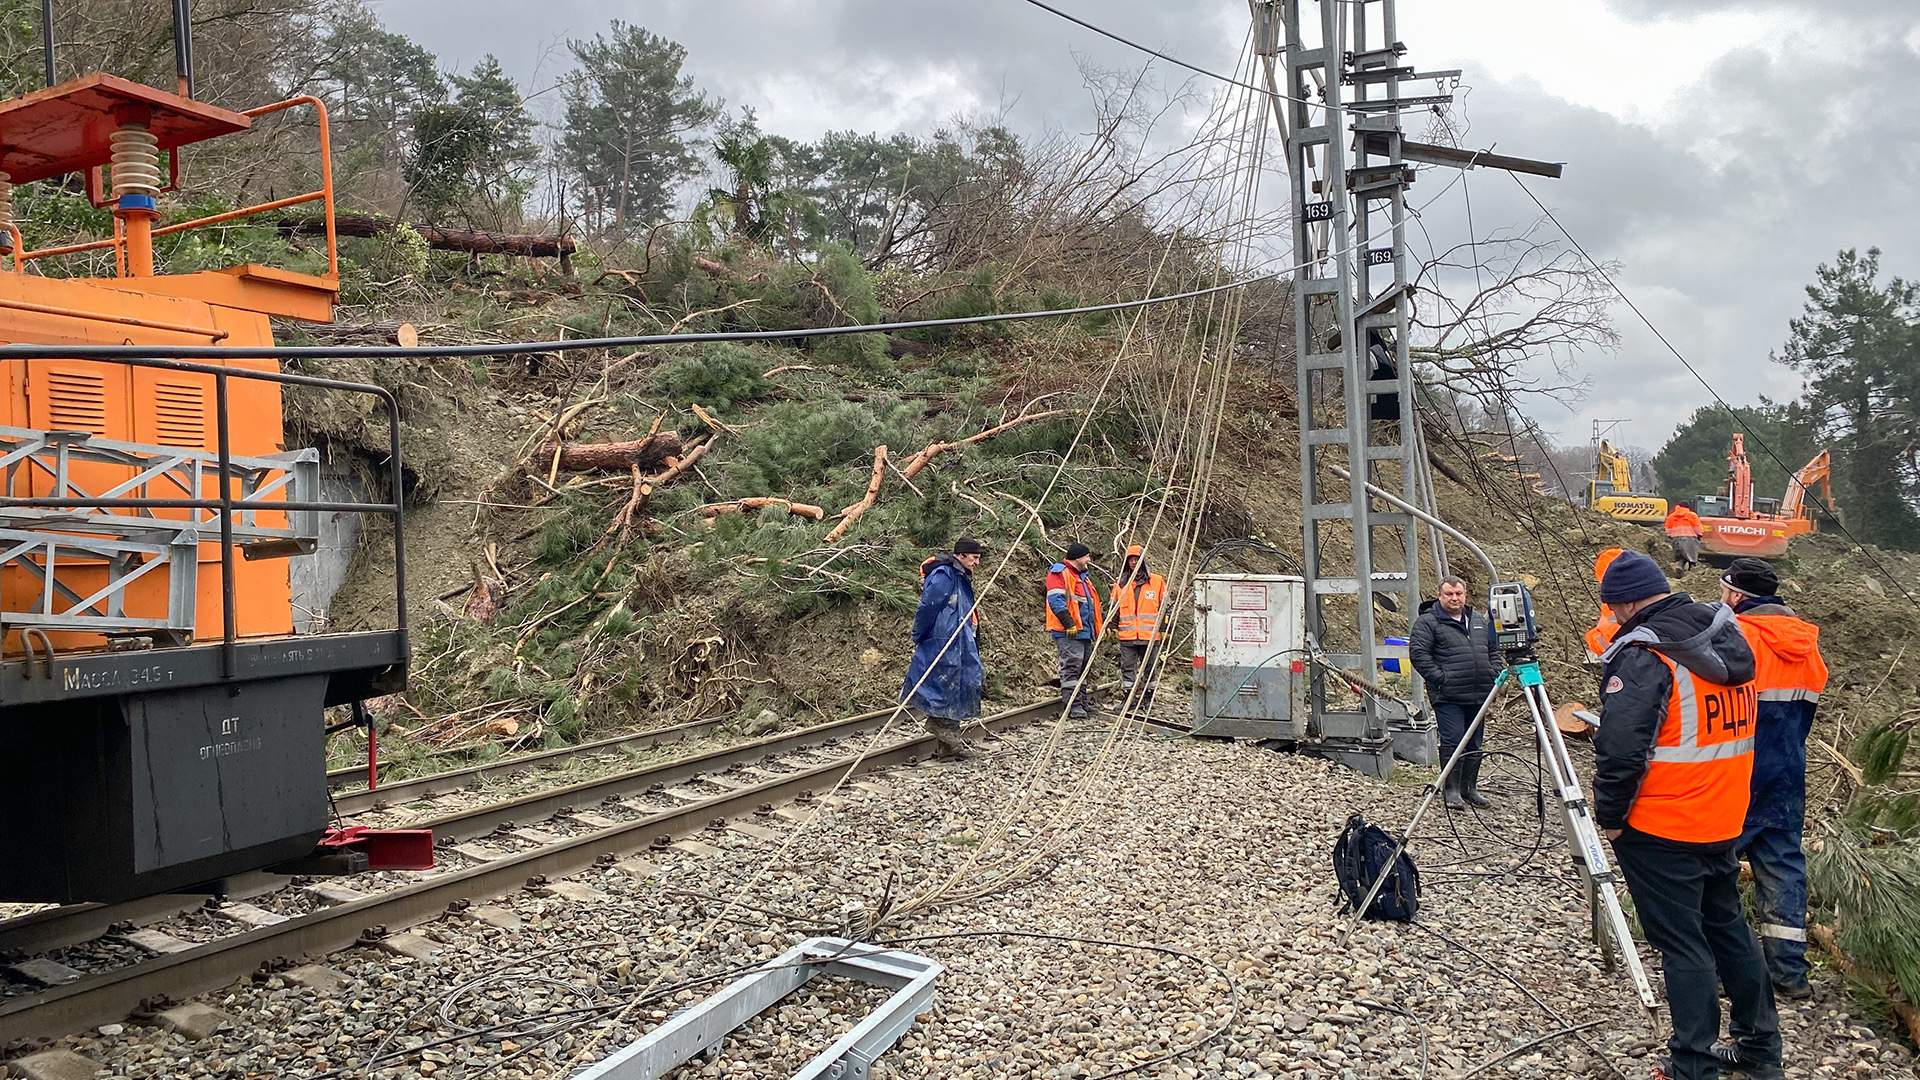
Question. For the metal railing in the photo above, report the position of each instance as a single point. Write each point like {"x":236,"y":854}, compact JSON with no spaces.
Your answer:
{"x":227,"y":468}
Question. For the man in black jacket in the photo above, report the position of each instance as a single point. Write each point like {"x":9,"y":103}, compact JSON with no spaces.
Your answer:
{"x":1453,"y":650}
{"x":1673,"y":765}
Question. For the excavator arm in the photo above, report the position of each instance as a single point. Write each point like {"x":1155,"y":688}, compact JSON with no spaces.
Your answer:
{"x":1739,"y":479}
{"x":1815,"y":476}
{"x":1612,"y":467}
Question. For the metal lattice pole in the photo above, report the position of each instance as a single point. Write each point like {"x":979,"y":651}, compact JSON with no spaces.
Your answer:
{"x":1345,"y":328}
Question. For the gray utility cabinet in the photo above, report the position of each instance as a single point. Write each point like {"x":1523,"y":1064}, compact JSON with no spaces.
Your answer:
{"x":1250,"y":657}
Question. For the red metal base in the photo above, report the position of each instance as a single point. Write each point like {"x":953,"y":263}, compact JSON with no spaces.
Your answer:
{"x":385,"y":849}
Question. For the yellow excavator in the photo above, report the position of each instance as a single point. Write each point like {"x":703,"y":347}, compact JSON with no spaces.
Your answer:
{"x":1610,"y":490}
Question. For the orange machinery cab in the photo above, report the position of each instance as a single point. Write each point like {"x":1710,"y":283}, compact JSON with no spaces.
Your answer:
{"x":162,"y":753}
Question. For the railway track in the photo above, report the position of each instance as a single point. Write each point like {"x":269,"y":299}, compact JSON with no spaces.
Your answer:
{"x":73,"y":924}
{"x":355,"y":776}
{"x":769,"y":771}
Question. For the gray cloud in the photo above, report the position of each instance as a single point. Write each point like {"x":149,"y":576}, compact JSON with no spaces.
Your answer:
{"x":1889,"y":10}
{"x":1718,"y":208}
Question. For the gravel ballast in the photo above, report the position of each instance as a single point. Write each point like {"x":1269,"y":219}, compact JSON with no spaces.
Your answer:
{"x":1215,"y":853}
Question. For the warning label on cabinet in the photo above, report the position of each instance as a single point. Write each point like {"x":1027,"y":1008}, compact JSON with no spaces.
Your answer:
{"x":1247,"y":630}
{"x":1249,"y":598}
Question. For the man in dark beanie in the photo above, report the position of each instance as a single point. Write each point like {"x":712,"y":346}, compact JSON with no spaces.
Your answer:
{"x":1672,"y":771}
{"x":1789,"y":677}
{"x":1073,"y":618}
{"x":944,"y":678}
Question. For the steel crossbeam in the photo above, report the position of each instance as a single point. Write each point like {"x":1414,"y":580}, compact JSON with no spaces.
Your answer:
{"x":30,"y":458}
{"x":119,"y":545}
{"x":703,"y":1027}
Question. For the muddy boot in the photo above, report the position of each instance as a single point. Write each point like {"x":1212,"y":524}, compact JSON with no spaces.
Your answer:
{"x":1452,"y":796}
{"x":952,"y":745}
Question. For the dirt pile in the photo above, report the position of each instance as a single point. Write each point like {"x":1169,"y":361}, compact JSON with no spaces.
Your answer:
{"x":581,"y":633}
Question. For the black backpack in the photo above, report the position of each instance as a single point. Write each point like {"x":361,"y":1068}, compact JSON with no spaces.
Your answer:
{"x":1359,"y":856}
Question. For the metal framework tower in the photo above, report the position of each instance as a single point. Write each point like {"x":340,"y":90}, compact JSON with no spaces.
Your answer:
{"x":1341,"y":102}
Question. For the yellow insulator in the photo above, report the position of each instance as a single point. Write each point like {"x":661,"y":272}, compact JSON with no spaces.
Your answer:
{"x":136,"y":161}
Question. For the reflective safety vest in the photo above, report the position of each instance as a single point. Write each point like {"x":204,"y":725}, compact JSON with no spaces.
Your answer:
{"x":1075,"y":587}
{"x":1682,"y":522}
{"x":1600,"y":635}
{"x":926,"y":565}
{"x":1136,"y":608}
{"x":1700,"y":778}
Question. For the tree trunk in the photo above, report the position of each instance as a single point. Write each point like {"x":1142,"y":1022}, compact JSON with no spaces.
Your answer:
{"x":620,"y":456}
{"x":760,"y":502}
{"x":472,"y":241}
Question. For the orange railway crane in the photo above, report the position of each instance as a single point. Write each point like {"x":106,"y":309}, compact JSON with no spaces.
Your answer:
{"x":1734,"y":524}
{"x":166,"y":723}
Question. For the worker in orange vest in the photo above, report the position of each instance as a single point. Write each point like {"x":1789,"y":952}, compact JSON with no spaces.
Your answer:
{"x":1600,"y":634}
{"x":1073,"y":619}
{"x":1790,"y":675}
{"x":1673,"y":765}
{"x":1137,"y":598}
{"x":1683,"y":528}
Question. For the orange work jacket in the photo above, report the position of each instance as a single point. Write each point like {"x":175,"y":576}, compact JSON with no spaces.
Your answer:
{"x":1074,"y":585}
{"x":1600,"y":634}
{"x":1136,"y":607}
{"x":1700,"y":778}
{"x":1683,"y":522}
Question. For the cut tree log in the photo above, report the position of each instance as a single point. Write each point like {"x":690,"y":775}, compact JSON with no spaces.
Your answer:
{"x":644,"y":487}
{"x":760,"y":502}
{"x":471,"y":241}
{"x":852,"y":513}
{"x":652,"y":450}
{"x":393,"y":333}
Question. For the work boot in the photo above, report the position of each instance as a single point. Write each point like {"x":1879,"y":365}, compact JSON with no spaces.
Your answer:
{"x":1792,"y":991}
{"x":1733,"y":1063}
{"x":1470,"y":783}
{"x":1452,"y":796}
{"x":949,"y":743}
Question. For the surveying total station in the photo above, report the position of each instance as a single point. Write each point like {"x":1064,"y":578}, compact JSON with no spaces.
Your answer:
{"x":1510,"y":608}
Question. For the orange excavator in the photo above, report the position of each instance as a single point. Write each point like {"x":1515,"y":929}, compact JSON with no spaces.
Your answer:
{"x":1735,"y":524}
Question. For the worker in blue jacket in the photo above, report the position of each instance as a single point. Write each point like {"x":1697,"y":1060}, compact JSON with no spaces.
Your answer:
{"x":1790,"y":676}
{"x":944,"y":677}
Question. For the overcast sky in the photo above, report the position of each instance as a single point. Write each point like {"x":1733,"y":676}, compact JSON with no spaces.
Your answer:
{"x":1717,"y":149}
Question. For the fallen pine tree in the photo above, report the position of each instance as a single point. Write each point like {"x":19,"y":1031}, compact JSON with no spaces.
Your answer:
{"x":470,"y":241}
{"x":919,"y":461}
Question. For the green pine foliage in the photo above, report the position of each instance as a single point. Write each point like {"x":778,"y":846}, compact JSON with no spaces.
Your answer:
{"x":718,"y":376}
{"x":816,"y":450}
{"x":1872,"y":889}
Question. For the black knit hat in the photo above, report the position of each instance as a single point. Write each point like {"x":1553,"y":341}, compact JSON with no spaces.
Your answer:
{"x":1755,"y":577}
{"x":1075,"y":551}
{"x":1631,"y":577}
{"x":967,"y":545}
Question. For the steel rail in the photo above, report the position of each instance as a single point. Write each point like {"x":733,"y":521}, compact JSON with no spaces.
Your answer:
{"x":109,"y":996}
{"x":73,"y":924}
{"x":478,"y":821}
{"x":349,"y":775}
